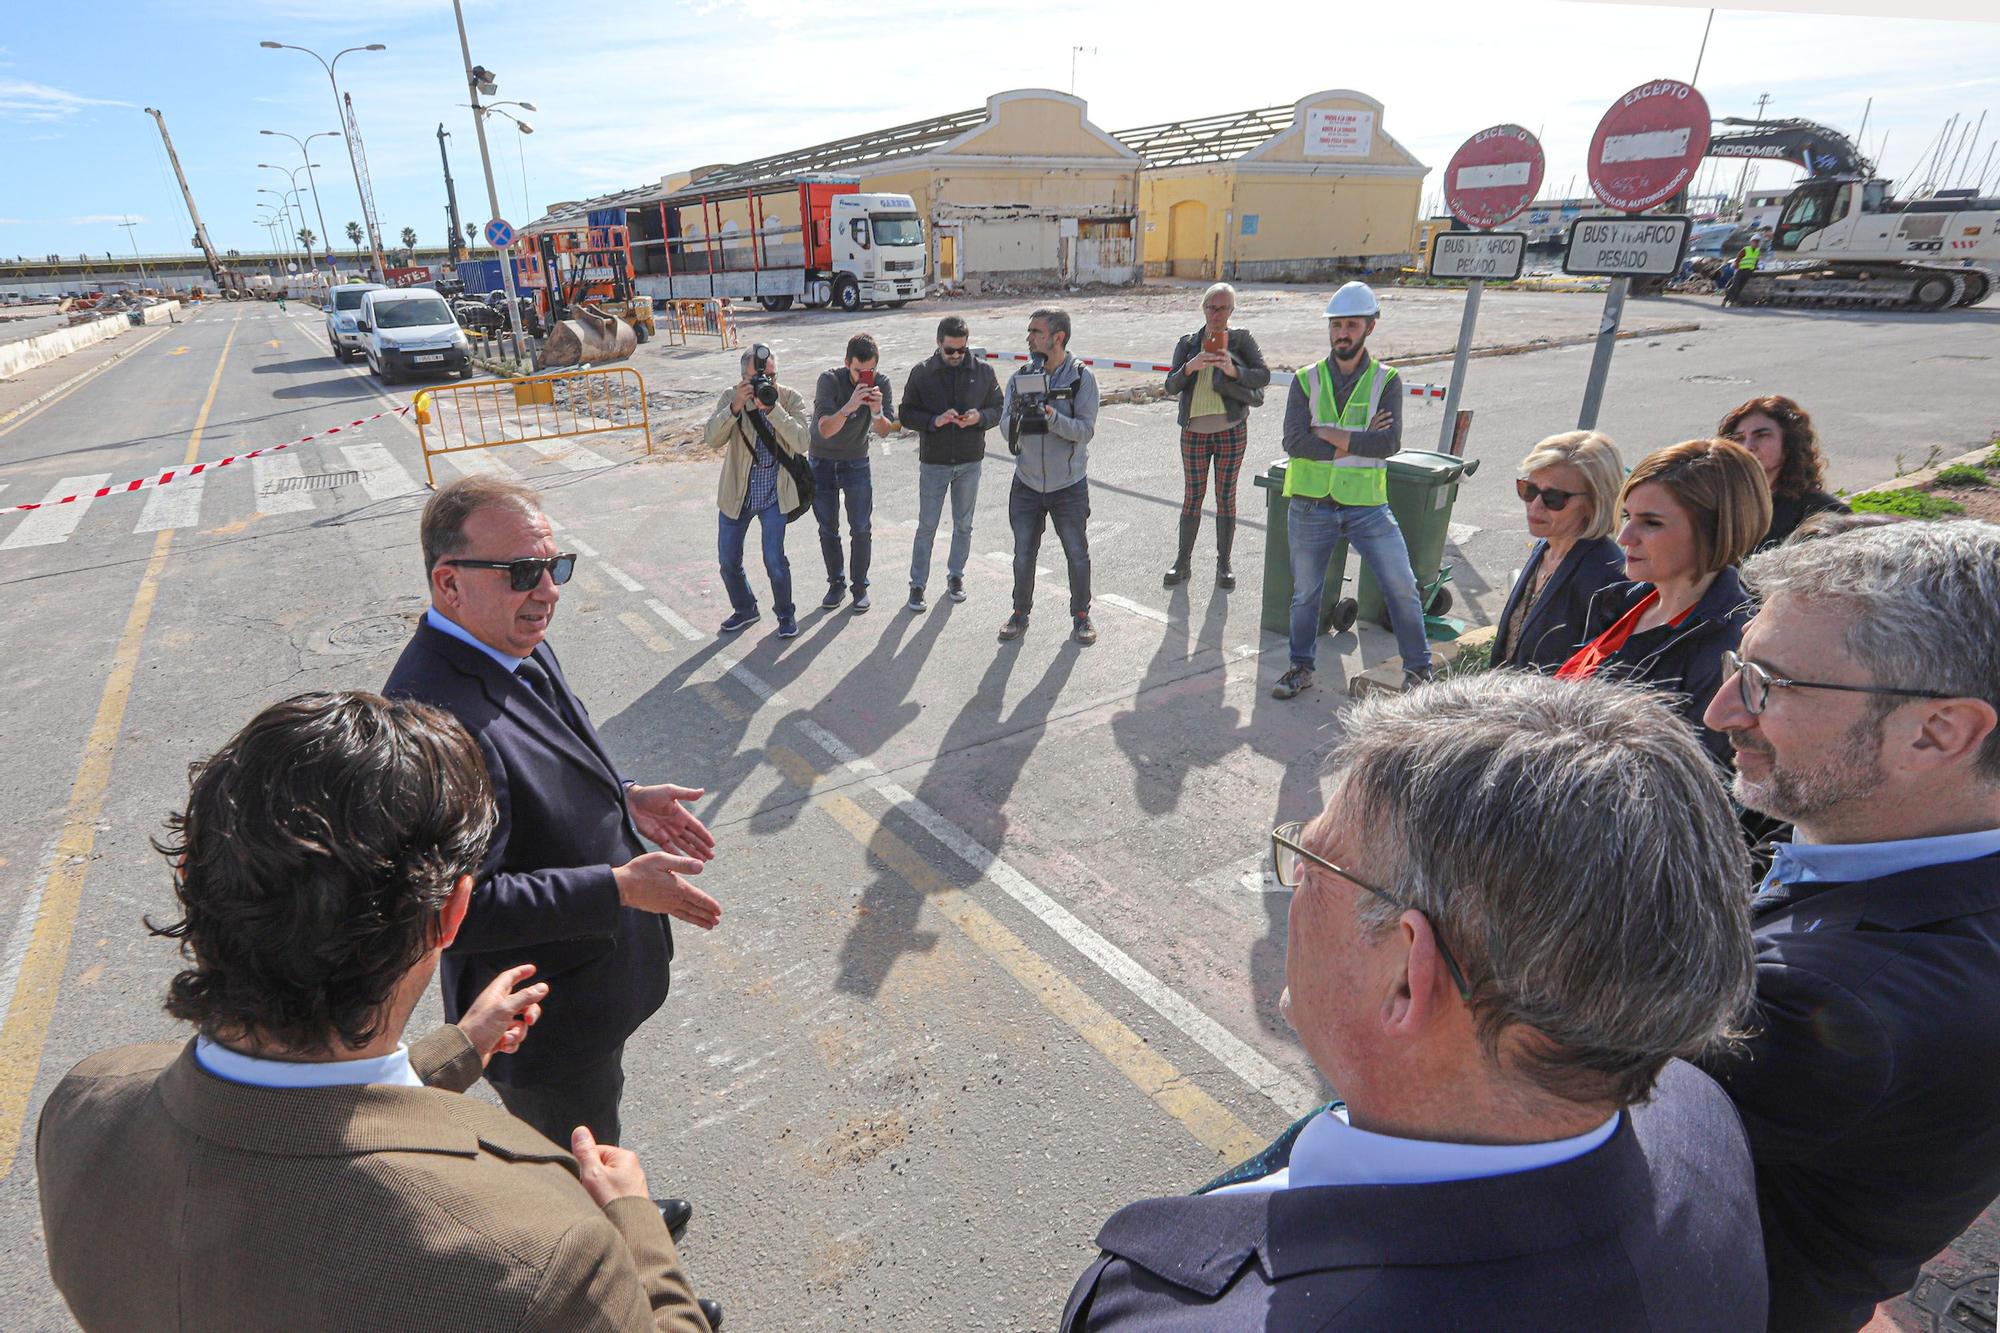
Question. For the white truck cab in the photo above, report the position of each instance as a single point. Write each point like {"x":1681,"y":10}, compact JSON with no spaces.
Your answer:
{"x":877,"y":242}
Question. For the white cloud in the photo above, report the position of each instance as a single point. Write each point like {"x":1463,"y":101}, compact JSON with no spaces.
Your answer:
{"x":22,"y":100}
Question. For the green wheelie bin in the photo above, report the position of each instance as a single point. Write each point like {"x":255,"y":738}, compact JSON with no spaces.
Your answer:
{"x":1423,"y":488}
{"x":1336,"y":613}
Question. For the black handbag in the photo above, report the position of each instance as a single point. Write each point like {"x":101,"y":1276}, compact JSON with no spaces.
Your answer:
{"x":800,"y":468}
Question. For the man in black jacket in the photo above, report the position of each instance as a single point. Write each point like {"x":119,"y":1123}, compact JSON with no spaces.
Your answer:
{"x":1863,"y":710}
{"x":567,"y":883}
{"x":950,"y":400}
{"x":1496,"y":968}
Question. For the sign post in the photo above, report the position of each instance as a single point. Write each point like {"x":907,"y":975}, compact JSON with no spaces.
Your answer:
{"x":1490,"y":179}
{"x":1646,"y":149}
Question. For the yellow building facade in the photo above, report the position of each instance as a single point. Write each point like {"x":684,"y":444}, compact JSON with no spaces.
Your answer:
{"x":1326,"y":191}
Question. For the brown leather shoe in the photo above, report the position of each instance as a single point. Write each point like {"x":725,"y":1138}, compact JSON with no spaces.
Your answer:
{"x":1086,"y":633}
{"x":1016,"y":626}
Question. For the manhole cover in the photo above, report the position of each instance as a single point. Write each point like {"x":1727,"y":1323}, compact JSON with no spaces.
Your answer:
{"x":317,"y":481}
{"x":371,"y":634}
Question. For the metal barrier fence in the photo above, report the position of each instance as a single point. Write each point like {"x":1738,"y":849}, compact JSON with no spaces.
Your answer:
{"x":703,"y":318}
{"x":558,"y":405}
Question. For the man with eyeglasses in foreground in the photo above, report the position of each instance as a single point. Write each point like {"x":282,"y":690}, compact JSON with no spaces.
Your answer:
{"x":1501,"y":965}
{"x":1862,"y":708}
{"x":567,"y":884}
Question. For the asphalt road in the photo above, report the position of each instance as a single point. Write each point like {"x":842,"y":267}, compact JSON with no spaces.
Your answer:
{"x":998,"y":954}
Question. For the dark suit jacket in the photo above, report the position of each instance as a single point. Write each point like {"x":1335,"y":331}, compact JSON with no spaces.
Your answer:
{"x":1871,"y":1091}
{"x":1554,"y":626}
{"x":1683,"y":659}
{"x":173,"y":1199}
{"x":545,"y":894}
{"x":1655,"y":1229}
{"x":1788,"y":511}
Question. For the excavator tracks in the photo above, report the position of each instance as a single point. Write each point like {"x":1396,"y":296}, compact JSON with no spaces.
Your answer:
{"x":1886,"y":287}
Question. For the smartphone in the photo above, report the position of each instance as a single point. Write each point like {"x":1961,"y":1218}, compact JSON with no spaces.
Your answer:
{"x":1215,"y":342}
{"x":865,"y":377}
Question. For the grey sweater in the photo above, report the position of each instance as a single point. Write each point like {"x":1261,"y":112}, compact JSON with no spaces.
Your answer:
{"x":1300,"y":442}
{"x":1055,"y":460}
{"x":835,"y":387}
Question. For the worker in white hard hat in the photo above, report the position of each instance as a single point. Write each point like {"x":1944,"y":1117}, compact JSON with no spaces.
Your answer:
{"x":1343,"y":418}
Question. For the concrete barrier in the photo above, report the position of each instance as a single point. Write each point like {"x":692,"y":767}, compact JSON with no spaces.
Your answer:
{"x":159,"y":314}
{"x":28,"y":353}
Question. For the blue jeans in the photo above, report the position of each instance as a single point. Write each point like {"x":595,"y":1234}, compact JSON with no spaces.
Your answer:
{"x":933,"y":480}
{"x":833,"y":478}
{"x":1069,"y":509}
{"x":730,"y":543}
{"x":1372,"y":532}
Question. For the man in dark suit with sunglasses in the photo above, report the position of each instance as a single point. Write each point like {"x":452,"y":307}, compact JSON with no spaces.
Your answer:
{"x":567,"y":884}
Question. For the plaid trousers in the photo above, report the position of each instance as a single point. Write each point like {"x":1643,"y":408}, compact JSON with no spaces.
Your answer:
{"x":1226,"y":448}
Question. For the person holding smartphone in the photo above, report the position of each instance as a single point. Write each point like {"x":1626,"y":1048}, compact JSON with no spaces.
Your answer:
{"x":951,"y":399}
{"x":850,"y":403}
{"x":1219,"y":375}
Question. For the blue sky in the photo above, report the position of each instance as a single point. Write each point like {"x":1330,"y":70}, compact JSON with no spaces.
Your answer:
{"x":629,"y":93}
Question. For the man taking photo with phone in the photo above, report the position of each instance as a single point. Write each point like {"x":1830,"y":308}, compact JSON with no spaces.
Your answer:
{"x":850,"y":403}
{"x":951,"y":400}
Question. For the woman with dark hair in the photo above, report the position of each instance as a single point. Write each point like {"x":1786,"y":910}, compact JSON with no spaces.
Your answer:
{"x":1780,"y":436}
{"x":1690,"y":512}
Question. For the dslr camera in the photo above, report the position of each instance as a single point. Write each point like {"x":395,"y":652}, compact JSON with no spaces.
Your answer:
{"x":763,"y":387}
{"x":1032,"y":396}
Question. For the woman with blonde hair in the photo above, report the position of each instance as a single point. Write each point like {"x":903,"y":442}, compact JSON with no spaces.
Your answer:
{"x":1690,"y":511}
{"x":1569,"y":483}
{"x":1219,"y":375}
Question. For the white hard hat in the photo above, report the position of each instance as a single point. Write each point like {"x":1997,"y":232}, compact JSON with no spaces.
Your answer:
{"x":1356,"y":298}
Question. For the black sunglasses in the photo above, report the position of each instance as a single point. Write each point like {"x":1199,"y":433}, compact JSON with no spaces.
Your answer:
{"x":1552,"y":499}
{"x":525,"y":573}
{"x":953,"y":351}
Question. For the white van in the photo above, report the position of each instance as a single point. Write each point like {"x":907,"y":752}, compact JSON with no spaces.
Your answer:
{"x":411,"y":331}
{"x":343,"y":307}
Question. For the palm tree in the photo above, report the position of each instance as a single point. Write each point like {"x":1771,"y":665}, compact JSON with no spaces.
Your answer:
{"x":471,"y":233}
{"x":354,"y":239}
{"x":410,"y":244}
{"x":307,"y":239}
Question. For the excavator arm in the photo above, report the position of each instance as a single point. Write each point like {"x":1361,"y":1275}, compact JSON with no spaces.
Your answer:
{"x":1821,"y":150}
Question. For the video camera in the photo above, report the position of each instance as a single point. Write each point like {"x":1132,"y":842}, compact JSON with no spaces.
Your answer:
{"x":763,"y":385}
{"x":1032,"y":396}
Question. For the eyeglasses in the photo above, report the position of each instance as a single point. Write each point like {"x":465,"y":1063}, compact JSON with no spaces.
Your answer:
{"x":952,"y":351}
{"x":1754,"y":685}
{"x":1288,"y":858}
{"x":525,"y":573}
{"x":1552,"y":499}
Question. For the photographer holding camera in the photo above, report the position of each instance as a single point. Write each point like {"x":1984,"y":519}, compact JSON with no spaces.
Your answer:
{"x":1050,"y":408}
{"x":761,"y":429}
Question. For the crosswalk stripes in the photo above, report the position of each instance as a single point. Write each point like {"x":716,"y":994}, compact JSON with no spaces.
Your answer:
{"x":572,"y":456}
{"x":175,"y":505}
{"x":382,"y":477}
{"x":472,"y":462}
{"x":266,"y":473}
{"x":46,"y":527}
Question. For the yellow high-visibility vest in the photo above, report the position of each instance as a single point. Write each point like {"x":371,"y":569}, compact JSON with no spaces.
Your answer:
{"x":1350,"y":480}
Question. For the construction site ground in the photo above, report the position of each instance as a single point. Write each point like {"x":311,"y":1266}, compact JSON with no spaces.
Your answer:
{"x":1000,"y":951}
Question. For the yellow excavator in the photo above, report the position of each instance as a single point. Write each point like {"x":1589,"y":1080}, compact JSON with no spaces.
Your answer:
{"x":594,"y":315}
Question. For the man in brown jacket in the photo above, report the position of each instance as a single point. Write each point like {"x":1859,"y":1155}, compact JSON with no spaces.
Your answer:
{"x":296,"y":1166}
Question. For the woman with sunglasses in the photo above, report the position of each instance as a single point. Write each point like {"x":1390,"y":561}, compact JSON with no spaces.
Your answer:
{"x":1569,"y":483}
{"x":1691,"y":511}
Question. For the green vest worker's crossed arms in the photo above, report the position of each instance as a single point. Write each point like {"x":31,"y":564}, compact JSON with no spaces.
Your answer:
{"x":1349,"y":480}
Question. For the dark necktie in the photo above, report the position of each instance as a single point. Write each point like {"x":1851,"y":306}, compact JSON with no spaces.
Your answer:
{"x":538,"y":680}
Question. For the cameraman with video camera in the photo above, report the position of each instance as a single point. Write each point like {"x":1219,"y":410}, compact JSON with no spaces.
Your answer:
{"x":1050,"y":409}
{"x":760,"y":427}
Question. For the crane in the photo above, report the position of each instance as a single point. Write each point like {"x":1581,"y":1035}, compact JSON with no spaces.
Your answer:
{"x":227,"y":281}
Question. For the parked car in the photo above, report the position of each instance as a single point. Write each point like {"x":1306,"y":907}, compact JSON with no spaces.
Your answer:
{"x":342,"y":310}
{"x":410,"y":330}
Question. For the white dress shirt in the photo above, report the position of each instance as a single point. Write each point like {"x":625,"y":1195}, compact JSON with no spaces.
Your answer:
{"x":457,"y":631}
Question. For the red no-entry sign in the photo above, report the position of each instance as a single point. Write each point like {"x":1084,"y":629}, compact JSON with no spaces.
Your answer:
{"x":1648,"y":145}
{"x":1493,"y":176}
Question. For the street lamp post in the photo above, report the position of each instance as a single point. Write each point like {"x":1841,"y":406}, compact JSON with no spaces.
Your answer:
{"x":284,"y":212}
{"x":374,"y":231}
{"x":325,"y":242}
{"x":128,"y":224}
{"x":523,"y":130}
{"x":478,"y":80}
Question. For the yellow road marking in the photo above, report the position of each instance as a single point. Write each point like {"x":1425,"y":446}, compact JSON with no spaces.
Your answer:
{"x":1211,"y":1123}
{"x":277,"y":342}
{"x":712,"y":695}
{"x":635,"y":622}
{"x":40,"y":982}
{"x":179,"y":351}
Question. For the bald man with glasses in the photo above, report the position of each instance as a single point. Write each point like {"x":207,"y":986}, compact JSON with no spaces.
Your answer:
{"x":568,"y":883}
{"x":1861,"y":707}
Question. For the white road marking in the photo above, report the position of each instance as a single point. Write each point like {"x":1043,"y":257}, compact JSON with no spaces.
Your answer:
{"x":46,"y":527}
{"x":619,"y":577}
{"x":477,"y":461}
{"x":1138,"y":609}
{"x":267,"y":472}
{"x":673,"y":619}
{"x":1458,"y":534}
{"x":572,"y":456}
{"x":174,"y":505}
{"x":381,"y":475}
